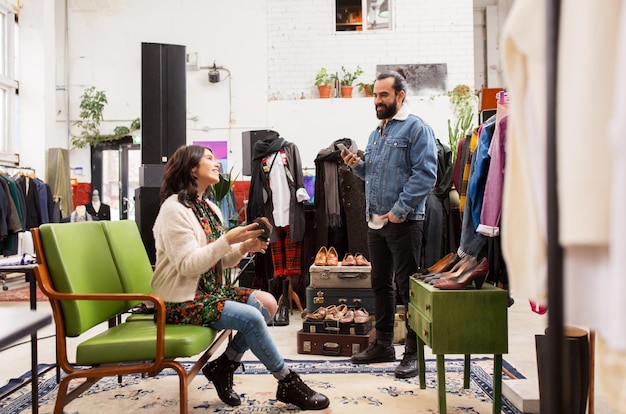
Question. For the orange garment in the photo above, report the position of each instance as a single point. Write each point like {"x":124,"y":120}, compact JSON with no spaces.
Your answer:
{"x":466,"y":169}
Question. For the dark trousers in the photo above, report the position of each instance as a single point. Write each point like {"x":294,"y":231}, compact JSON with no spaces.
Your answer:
{"x":392,"y":251}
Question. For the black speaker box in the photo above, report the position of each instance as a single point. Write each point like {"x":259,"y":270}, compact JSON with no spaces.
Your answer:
{"x":249,"y":138}
{"x":146,"y":209}
{"x":163,"y":101}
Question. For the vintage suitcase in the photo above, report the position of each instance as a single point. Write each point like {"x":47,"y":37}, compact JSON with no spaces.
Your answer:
{"x":353,"y":298}
{"x":333,"y":344}
{"x":334,"y":327}
{"x":348,"y":277}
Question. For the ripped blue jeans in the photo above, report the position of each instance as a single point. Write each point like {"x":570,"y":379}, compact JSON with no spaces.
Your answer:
{"x":250,"y":321}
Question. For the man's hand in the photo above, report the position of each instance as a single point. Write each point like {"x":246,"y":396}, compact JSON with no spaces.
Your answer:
{"x":389,"y":216}
{"x":351,"y":160}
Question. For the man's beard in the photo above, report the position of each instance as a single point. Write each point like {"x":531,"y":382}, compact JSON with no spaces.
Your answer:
{"x":388,"y":111}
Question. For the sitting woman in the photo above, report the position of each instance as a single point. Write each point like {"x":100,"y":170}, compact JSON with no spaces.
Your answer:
{"x":191,"y":248}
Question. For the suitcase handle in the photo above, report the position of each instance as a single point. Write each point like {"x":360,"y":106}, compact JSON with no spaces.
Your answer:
{"x":326,"y":274}
{"x":342,"y":275}
{"x":331,"y":349}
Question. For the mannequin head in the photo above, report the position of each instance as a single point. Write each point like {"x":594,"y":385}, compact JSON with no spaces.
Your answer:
{"x":81,"y":213}
{"x":95,"y":196}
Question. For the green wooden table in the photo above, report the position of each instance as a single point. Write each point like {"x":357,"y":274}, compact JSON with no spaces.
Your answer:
{"x":469,"y":321}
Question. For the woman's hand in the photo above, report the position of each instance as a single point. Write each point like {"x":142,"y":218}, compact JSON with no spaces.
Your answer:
{"x":254,"y":246}
{"x":241,"y":234}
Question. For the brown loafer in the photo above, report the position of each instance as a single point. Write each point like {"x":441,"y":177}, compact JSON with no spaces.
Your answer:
{"x":332,"y":258}
{"x":318,"y":315}
{"x":348,"y":260}
{"x":361,"y":260}
{"x":348,"y":317}
{"x":361,"y":315}
{"x":320,"y":257}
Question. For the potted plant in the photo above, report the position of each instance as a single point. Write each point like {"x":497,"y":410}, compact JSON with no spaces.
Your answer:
{"x":92,"y":104}
{"x":322,"y":81}
{"x":463,"y":102}
{"x":347,"y":79}
{"x":368,"y":88}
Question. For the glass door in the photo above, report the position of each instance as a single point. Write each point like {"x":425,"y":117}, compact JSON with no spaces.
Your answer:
{"x":130,"y":164}
{"x":115,"y":173}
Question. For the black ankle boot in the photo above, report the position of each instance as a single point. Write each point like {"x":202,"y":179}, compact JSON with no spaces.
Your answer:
{"x":282,"y":315}
{"x":220,"y":373}
{"x":292,"y":390}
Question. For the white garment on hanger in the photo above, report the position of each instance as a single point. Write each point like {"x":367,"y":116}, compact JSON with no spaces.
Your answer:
{"x":281,"y":196}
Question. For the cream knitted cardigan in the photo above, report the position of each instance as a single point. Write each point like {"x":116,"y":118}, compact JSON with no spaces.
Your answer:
{"x":183,"y":253}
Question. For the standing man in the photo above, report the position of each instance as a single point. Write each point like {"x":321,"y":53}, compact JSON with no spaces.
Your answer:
{"x":399,"y":168}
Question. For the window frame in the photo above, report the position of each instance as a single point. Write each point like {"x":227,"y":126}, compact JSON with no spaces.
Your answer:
{"x":8,"y":74}
{"x":362,"y":25}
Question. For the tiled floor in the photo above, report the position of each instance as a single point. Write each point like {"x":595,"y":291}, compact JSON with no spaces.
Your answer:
{"x":523,"y":325}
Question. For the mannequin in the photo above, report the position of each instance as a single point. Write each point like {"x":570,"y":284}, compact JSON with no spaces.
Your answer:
{"x":98,"y":209}
{"x":80,"y":214}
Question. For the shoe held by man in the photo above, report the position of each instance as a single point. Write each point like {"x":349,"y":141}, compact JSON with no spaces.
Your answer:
{"x":408,"y":366}
{"x":376,"y":352}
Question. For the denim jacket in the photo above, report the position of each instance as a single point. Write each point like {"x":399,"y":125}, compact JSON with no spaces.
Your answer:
{"x":399,"y":167}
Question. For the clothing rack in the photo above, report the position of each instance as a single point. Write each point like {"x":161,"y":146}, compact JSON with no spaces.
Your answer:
{"x":555,"y":394}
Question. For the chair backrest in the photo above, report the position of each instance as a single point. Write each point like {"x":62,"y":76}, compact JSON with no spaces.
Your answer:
{"x":130,"y":256}
{"x":80,"y":261}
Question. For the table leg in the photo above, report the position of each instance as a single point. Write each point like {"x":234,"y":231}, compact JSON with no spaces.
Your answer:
{"x":421,"y":362}
{"x":466,"y":371}
{"x":497,"y":383}
{"x":441,"y":382}
{"x":34,"y":368}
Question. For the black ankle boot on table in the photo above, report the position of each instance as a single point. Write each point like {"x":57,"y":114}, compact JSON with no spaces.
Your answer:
{"x":220,"y":373}
{"x":292,"y":390}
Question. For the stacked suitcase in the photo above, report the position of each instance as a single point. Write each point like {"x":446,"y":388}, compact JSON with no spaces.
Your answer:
{"x":337,"y":285}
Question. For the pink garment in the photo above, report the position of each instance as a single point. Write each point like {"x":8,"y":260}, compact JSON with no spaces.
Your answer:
{"x":492,"y":198}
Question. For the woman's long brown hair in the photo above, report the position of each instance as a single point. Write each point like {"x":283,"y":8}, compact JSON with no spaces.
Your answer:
{"x":178,"y":177}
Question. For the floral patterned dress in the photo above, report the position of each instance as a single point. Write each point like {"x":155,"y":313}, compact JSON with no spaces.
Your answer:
{"x":206,"y":307}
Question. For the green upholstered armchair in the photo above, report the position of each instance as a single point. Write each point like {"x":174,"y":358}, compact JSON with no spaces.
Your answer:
{"x":93,"y":272}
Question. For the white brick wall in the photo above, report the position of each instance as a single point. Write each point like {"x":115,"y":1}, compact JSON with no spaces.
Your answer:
{"x":302,"y":39}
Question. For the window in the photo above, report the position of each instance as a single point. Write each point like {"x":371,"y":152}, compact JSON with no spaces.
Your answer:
{"x":8,"y":83}
{"x":362,"y":15}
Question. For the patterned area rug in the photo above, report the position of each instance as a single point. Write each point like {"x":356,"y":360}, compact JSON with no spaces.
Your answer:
{"x":351,"y":389}
{"x":21,"y":294}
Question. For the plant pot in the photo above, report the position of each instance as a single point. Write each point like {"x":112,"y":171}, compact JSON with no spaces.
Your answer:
{"x":346,"y":91}
{"x":324,"y":91}
{"x":368,"y":90}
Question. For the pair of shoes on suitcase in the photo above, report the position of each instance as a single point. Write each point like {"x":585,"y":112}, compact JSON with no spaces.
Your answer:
{"x":360,"y":315}
{"x":327,"y":313}
{"x":326,"y":257}
{"x":354,"y":260}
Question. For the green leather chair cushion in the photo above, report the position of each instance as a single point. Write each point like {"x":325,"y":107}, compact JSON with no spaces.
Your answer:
{"x":129,"y":254}
{"x":135,"y":341}
{"x":80,"y":261}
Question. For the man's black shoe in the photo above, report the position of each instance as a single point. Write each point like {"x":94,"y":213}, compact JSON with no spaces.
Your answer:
{"x":376,"y":352}
{"x":408,"y":366}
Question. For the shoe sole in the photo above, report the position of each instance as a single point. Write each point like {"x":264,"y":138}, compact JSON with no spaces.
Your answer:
{"x":316,"y":407}
{"x":373,"y":361}
{"x":406,"y":375}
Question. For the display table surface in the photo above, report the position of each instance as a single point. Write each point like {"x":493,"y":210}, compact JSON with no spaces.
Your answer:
{"x":469,"y":321}
{"x":18,"y":323}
